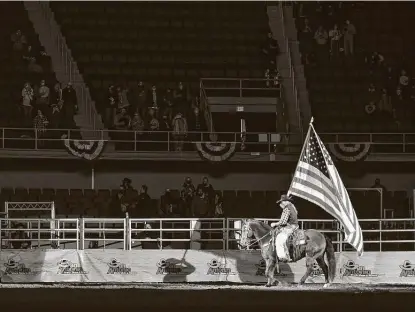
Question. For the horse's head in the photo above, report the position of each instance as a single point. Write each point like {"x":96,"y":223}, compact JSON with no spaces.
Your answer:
{"x":246,"y":233}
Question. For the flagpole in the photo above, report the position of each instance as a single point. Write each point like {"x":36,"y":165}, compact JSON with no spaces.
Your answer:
{"x":302,"y":151}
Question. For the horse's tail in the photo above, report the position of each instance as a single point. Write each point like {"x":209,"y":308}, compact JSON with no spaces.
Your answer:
{"x":331,"y":258}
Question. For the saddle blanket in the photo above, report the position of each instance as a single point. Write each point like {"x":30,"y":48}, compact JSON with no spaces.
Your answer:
{"x":284,"y":241}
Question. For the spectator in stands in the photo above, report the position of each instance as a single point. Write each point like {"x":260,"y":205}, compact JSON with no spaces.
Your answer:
{"x":167,"y":204}
{"x":144,"y":203}
{"x":375,"y":61}
{"x":165,"y":124}
{"x":42,"y":97}
{"x":154,"y":124}
{"x":349,"y":32}
{"x":377,"y":184}
{"x":70,"y":102}
{"x":404,"y":83}
{"x":189,"y":191}
{"x":40,"y":123}
{"x":29,"y":54}
{"x":181,"y":97}
{"x":400,"y":106}
{"x":271,"y":49}
{"x":196,"y":123}
{"x":140,"y":99}
{"x":122,"y":97}
{"x":321,"y":38}
{"x":56,"y":106}
{"x":200,"y":205}
{"x":179,"y":127}
{"x":110,"y":105}
{"x":218,"y":203}
{"x":207,"y":189}
{"x":153,"y":98}
{"x":335,"y":35}
{"x":168,"y":105}
{"x":137,"y":123}
{"x":129,"y":196}
{"x":273,"y":78}
{"x":117,"y":205}
{"x":122,"y":120}
{"x":27,"y":98}
{"x":23,"y":238}
{"x":19,"y":41}
{"x":307,"y":39}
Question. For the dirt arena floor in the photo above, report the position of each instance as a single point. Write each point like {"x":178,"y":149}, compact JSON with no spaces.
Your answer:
{"x":197,"y":298}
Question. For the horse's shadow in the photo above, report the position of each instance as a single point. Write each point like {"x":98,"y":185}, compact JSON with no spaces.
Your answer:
{"x":250,"y":266}
{"x":174,"y":270}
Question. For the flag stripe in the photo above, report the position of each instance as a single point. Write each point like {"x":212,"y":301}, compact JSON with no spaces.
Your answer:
{"x":317,"y":180}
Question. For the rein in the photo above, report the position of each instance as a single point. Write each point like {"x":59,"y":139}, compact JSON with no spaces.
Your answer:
{"x":255,"y":241}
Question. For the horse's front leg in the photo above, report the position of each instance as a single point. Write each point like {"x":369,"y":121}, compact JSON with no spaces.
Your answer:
{"x":270,"y":272}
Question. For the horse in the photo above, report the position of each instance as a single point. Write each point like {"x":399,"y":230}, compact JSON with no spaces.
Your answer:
{"x":315,"y":247}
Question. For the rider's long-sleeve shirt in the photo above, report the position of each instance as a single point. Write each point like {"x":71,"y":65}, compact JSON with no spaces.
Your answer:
{"x":284,"y":216}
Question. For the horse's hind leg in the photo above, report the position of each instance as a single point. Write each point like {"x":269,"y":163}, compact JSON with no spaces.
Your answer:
{"x":324,"y":267}
{"x":309,"y":265}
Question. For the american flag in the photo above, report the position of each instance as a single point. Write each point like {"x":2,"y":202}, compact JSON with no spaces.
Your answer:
{"x":316,"y":180}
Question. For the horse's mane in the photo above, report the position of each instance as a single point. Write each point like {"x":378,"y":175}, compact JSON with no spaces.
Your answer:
{"x":261,"y":224}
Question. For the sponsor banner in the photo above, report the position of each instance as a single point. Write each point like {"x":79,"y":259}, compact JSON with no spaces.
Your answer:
{"x":42,"y":266}
{"x":146,"y":266}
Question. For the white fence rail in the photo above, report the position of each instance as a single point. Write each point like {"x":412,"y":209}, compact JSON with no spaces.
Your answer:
{"x":215,"y":233}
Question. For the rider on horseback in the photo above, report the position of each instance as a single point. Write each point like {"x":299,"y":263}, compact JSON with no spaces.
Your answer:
{"x":286,"y":226}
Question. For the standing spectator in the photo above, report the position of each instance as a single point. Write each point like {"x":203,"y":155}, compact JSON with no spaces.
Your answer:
{"x":385,"y":105}
{"x":179,"y":127}
{"x":154,"y":104}
{"x":273,"y":78}
{"x":335,"y":35}
{"x":218,"y":203}
{"x":42,"y":100}
{"x":144,"y":203}
{"x":19,"y":41}
{"x":70,"y":103}
{"x":181,"y":98}
{"x":189,"y":192}
{"x":56,"y":106}
{"x":207,"y":189}
{"x":321,"y":38}
{"x":140,"y":99}
{"x":27,"y":98}
{"x":123,"y":102}
{"x":307,"y":38}
{"x":200,"y":205}
{"x":110,"y":105}
{"x":40,"y":122}
{"x":349,"y":33}
{"x":168,"y":104}
{"x":377,"y":184}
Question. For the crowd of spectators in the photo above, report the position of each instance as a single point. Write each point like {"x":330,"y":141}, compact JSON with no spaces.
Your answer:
{"x":328,"y":35}
{"x":42,"y":104}
{"x":191,"y":201}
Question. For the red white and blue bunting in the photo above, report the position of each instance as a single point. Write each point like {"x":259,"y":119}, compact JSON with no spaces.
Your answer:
{"x":216,"y":151}
{"x":350,"y":152}
{"x":85,"y":149}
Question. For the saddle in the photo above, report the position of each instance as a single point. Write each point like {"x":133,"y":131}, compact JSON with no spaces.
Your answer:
{"x":296,"y":238}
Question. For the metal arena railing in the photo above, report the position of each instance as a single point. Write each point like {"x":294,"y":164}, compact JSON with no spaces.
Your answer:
{"x":190,"y":233}
{"x":125,"y":140}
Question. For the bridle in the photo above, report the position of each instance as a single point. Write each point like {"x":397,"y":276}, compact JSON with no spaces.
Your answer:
{"x":255,"y":241}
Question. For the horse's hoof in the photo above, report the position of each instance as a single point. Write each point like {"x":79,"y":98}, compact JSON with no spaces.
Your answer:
{"x":268,"y":285}
{"x":326,"y":285}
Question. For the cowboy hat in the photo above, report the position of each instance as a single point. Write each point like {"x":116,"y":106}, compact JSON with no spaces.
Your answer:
{"x":285,"y":198}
